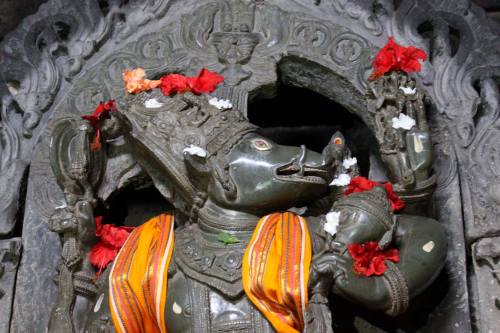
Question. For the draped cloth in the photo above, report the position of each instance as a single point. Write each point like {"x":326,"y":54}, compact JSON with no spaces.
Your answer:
{"x":276,"y":270}
{"x":138,"y":278}
{"x":275,"y":274}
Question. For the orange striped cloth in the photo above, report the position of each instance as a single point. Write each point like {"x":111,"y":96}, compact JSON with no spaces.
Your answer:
{"x":275,"y":274}
{"x":138,"y":278}
{"x":276,"y":270}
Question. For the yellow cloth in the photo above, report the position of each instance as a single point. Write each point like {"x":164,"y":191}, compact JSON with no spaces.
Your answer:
{"x":138,"y":278}
{"x":275,"y":274}
{"x":276,"y":270}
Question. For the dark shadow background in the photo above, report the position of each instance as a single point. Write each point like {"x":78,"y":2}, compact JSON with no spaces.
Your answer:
{"x":297,"y":116}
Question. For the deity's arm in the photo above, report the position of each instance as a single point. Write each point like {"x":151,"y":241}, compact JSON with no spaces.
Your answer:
{"x":78,"y":169}
{"x":422,"y":250}
{"x":403,"y":136}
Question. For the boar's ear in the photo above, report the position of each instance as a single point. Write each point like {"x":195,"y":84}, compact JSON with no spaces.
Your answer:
{"x":198,"y":169}
{"x":336,"y":148}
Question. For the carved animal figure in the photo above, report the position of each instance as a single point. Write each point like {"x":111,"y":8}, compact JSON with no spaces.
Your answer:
{"x":226,"y":192}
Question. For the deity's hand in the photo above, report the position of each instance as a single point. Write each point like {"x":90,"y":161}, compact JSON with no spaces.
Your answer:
{"x":333,"y":272}
{"x":401,"y":129}
{"x":326,"y":268}
{"x":74,"y":224}
{"x":421,"y":245}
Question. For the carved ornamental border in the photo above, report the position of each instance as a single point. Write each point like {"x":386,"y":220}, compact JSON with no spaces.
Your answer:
{"x":70,"y":55}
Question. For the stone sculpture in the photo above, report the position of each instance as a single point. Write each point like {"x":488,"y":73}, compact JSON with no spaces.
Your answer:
{"x":69,"y":55}
{"x":220,"y":190}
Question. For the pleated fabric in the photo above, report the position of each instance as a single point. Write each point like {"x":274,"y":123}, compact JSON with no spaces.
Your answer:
{"x":138,"y":278}
{"x":276,"y":270}
{"x":275,"y":274}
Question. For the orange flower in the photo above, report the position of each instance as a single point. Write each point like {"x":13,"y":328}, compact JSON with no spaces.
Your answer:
{"x":136,"y":83}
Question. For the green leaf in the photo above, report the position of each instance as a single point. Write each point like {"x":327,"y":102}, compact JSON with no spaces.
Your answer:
{"x":226,"y":238}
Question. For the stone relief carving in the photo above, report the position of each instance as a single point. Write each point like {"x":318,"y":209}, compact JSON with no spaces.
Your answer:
{"x":10,"y":254}
{"x":407,"y":155}
{"x":41,"y":62}
{"x":486,"y":255}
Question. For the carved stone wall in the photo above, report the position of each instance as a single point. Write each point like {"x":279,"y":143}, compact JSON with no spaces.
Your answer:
{"x":70,"y":55}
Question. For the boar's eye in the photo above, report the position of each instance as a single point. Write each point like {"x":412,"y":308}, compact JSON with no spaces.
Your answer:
{"x":338,"y":141}
{"x":261,"y":144}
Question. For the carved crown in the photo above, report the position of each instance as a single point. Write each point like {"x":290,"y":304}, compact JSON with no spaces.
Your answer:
{"x":176,"y":123}
{"x":373,"y":202}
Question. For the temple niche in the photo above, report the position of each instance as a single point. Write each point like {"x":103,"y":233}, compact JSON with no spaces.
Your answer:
{"x":299,"y":71}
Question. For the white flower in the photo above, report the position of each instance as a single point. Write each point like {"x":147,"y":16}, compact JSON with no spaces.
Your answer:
{"x":195,"y":150}
{"x":408,"y":90}
{"x":349,"y":162}
{"x":342,"y":180}
{"x":153,"y":103}
{"x":221,"y":104}
{"x":332,"y":222}
{"x":403,"y":121}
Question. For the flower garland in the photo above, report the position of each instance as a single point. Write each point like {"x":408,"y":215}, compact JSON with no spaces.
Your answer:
{"x":394,"y":57}
{"x":205,"y":82}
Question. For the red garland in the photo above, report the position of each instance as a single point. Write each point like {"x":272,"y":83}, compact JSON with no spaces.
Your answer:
{"x":205,"y":82}
{"x":369,"y":259}
{"x":394,"y":57}
{"x":101,"y":112}
{"x":361,"y":184}
{"x":112,"y":238}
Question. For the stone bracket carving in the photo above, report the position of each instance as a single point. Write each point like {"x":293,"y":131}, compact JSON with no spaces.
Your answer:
{"x":10,"y":255}
{"x":486,"y":263}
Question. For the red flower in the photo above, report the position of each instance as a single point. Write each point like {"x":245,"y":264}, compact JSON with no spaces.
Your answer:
{"x":394,"y":57}
{"x":174,"y":83}
{"x":361,"y":184}
{"x":205,"y":82}
{"x":101,"y":112}
{"x":369,"y":259}
{"x":112,"y":238}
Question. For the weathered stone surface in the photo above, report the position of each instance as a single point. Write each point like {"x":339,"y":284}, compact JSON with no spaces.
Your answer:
{"x":10,"y":253}
{"x":70,"y":55}
{"x":486,"y":265}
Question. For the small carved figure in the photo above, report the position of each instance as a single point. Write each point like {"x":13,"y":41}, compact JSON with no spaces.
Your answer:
{"x":235,"y":40}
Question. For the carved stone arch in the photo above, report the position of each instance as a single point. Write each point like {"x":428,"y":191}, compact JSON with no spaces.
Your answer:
{"x":70,"y":55}
{"x":302,"y":72}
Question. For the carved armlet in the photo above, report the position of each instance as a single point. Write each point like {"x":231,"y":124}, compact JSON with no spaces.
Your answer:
{"x":398,"y":290}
